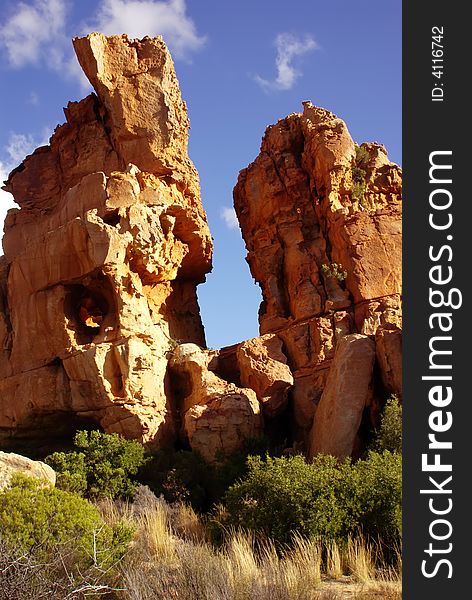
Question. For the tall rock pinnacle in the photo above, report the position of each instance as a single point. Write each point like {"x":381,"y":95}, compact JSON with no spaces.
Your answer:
{"x":103,"y":257}
{"x":321,"y":218}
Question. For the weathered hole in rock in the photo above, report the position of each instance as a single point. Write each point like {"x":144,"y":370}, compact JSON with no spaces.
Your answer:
{"x":112,"y":218}
{"x":90,"y":307}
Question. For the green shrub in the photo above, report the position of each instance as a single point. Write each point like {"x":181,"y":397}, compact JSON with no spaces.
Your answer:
{"x":183,"y":476}
{"x":102,"y":466}
{"x":373,"y":495}
{"x":35,"y":517}
{"x":389,"y":436}
{"x":286,"y":496}
{"x":334,"y":270}
{"x":359,"y":174}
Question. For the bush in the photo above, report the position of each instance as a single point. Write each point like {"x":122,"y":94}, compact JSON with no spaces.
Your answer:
{"x":389,"y":436}
{"x":102,"y":467}
{"x":183,"y":476}
{"x":38,"y":518}
{"x":374,"y":495}
{"x":286,"y":496}
{"x":359,"y":174}
{"x":334,"y":270}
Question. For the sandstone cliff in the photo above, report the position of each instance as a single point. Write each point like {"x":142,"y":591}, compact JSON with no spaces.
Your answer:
{"x":321,"y":218}
{"x":99,"y":320}
{"x":103,"y":257}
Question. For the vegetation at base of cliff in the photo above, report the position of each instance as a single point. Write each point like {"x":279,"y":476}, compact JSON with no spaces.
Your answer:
{"x":102,"y":466}
{"x":282,"y":527}
{"x":334,"y":271}
{"x":172,"y":557}
{"x":183,"y":476}
{"x":285,"y":497}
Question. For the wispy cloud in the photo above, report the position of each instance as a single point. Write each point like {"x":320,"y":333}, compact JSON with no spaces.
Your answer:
{"x":229,"y":217}
{"x":33,"y":99}
{"x":39,"y":33}
{"x":138,"y":18}
{"x":289,"y":47}
{"x":31,"y":33}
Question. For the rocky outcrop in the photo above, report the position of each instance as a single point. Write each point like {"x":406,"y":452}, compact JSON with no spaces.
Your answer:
{"x":104,"y":255}
{"x":11,"y":464}
{"x":321,"y":218}
{"x":217,"y":415}
{"x":99,"y":319}
{"x":347,"y":392}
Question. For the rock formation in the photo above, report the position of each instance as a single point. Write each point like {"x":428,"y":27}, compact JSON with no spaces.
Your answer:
{"x":321,"y":218}
{"x":11,"y":464}
{"x":99,"y":320}
{"x":103,"y":257}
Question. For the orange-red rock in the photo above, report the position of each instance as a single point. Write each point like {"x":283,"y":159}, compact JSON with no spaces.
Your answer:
{"x":99,"y":319}
{"x":321,"y":219}
{"x":347,"y":392}
{"x":263,"y":368}
{"x":103,"y":257}
{"x":218,"y":416}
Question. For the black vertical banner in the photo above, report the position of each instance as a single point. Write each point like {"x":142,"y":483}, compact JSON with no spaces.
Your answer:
{"x":437,"y":259}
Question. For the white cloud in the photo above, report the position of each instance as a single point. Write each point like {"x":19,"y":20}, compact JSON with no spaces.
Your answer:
{"x":38,"y":32}
{"x":229,"y":217}
{"x":139,"y":18}
{"x":18,"y":147}
{"x":35,"y":33}
{"x":289,"y":47}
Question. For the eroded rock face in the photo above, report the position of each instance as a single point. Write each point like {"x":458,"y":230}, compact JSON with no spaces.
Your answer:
{"x":321,"y":218}
{"x":99,"y":319}
{"x":263,"y":368}
{"x":103,"y":257}
{"x":11,"y":464}
{"x":218,"y":416}
{"x":347,"y":392}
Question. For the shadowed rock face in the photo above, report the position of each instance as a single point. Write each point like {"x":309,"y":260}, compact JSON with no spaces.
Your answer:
{"x":103,"y":257}
{"x":99,"y":320}
{"x":321,"y":219}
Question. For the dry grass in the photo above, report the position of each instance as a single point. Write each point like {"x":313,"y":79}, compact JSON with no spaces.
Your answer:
{"x":360,"y":558}
{"x":172,"y":559}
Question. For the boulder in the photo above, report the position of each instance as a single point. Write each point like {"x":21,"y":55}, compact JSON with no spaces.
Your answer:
{"x":11,"y":464}
{"x":218,"y":416}
{"x":348,"y":391}
{"x":263,"y":368}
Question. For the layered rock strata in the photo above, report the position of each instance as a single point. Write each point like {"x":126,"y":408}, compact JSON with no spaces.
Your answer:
{"x":103,"y":257}
{"x":321,"y":219}
{"x":99,"y":319}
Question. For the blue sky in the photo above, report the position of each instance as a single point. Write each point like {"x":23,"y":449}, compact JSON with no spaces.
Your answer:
{"x":242,"y":66}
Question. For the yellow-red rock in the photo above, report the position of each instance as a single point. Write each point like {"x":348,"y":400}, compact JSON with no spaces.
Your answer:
{"x":104,"y":255}
{"x":347,"y":392}
{"x":321,"y":219}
